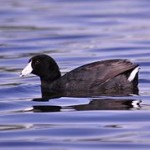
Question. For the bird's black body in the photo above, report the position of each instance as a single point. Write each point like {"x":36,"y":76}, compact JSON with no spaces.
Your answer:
{"x":108,"y":77}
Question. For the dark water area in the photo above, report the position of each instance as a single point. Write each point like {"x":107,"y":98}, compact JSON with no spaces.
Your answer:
{"x":73,"y":33}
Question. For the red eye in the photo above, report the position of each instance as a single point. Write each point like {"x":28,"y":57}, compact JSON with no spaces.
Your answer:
{"x":37,"y":62}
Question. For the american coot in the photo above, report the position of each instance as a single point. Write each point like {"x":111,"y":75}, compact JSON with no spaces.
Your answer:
{"x":108,"y":77}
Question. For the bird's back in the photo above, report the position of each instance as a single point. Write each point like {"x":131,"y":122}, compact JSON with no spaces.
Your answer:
{"x":102,"y":76}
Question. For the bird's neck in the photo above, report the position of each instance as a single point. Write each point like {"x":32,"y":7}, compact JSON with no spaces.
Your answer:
{"x":47,"y":83}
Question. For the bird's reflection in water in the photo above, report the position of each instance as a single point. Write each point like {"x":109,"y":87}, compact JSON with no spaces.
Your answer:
{"x":122,"y":103}
{"x":109,"y":104}
{"x":94,"y":104}
{"x":46,"y":108}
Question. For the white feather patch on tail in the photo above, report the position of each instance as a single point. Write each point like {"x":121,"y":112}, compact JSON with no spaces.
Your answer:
{"x":133,"y":74}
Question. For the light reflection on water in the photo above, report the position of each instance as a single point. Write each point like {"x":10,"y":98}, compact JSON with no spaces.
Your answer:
{"x":73,"y":33}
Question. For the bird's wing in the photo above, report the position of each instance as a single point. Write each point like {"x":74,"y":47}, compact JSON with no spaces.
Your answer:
{"x":99,"y":72}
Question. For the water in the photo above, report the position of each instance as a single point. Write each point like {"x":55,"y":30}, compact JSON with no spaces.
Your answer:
{"x":73,"y":33}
